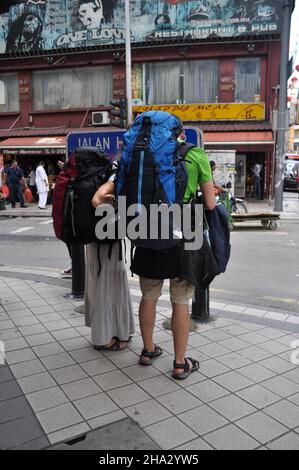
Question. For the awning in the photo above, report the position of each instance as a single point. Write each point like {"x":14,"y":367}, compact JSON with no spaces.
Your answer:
{"x":239,"y":138}
{"x":34,"y":145}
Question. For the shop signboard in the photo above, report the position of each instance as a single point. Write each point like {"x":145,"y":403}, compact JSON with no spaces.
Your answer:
{"x":30,"y":25}
{"x":211,"y":111}
{"x":111,"y":141}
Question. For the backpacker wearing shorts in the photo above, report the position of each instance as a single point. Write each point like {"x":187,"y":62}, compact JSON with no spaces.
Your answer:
{"x":152,"y":170}
{"x":73,"y":214}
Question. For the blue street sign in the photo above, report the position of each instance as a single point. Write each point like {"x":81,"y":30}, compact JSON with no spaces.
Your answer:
{"x":111,"y":141}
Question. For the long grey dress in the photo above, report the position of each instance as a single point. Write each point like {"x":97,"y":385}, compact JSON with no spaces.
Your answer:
{"x":108,"y":306}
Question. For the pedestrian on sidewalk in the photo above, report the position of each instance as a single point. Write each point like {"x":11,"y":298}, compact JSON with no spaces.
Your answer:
{"x":14,"y":178}
{"x":153,"y":266}
{"x":42,"y":185}
{"x":31,"y":181}
{"x":256,"y":181}
{"x":108,"y":305}
{"x":296,"y":174}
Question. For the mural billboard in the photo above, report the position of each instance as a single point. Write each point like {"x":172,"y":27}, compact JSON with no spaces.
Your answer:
{"x":32,"y":25}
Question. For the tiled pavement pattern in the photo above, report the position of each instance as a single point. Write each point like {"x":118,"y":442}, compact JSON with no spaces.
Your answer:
{"x":245,"y":396}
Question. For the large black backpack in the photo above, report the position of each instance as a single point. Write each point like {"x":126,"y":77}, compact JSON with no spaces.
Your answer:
{"x":73,"y":214}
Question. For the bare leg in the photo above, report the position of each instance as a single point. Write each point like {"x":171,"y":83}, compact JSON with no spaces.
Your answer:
{"x":180,"y":323}
{"x":147,"y":317}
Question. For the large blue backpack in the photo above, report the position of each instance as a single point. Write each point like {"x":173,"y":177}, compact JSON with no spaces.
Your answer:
{"x":152,"y":169}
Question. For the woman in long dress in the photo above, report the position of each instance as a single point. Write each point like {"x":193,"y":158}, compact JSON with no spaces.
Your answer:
{"x":42,"y":185}
{"x":108,"y":306}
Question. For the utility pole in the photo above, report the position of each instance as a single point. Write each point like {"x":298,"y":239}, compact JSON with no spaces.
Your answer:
{"x":282,"y":110}
{"x":128,"y":62}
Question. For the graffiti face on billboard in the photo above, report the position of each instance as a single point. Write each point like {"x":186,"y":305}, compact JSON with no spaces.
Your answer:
{"x":52,"y":24}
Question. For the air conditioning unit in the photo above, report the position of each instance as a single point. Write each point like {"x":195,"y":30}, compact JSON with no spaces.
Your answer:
{"x":100,"y":118}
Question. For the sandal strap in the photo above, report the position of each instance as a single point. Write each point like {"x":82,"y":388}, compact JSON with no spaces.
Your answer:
{"x":150,"y":354}
{"x":177,"y":365}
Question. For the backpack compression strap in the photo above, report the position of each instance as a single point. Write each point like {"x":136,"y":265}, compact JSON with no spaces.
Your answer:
{"x":184,"y":149}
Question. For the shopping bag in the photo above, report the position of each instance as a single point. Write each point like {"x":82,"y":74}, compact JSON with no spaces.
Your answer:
{"x":28,"y":195}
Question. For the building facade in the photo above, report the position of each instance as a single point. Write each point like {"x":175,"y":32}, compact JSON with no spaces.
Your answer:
{"x":213,"y":63}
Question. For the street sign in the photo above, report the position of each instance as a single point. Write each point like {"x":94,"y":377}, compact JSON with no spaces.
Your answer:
{"x":111,"y":141}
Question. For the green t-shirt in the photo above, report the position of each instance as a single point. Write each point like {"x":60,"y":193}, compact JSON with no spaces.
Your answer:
{"x":199,"y":171}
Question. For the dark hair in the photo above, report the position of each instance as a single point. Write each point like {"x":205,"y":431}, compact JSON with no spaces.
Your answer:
{"x":212,"y":163}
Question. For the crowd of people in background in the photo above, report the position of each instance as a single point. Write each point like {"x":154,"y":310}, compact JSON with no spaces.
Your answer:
{"x":38,"y":179}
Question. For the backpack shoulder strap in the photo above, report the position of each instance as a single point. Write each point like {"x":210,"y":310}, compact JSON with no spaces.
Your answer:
{"x":184,"y":149}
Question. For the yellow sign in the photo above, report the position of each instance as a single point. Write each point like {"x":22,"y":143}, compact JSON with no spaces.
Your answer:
{"x":211,"y":112}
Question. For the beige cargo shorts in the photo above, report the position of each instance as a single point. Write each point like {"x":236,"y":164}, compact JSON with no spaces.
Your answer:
{"x":181,"y":292}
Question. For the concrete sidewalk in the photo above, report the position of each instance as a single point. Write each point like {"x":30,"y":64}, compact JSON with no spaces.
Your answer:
{"x":31,"y":211}
{"x":55,"y":386}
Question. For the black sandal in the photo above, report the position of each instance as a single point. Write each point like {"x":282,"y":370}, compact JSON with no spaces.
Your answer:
{"x":152,"y":355}
{"x":187,"y":369}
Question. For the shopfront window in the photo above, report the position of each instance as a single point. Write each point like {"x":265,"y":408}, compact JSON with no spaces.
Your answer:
{"x":248,"y":80}
{"x":9,"y":93}
{"x":175,"y":82}
{"x":84,"y":87}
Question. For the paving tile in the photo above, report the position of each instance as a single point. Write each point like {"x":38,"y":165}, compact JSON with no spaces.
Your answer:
{"x":232,"y":407}
{"x":36,"y":382}
{"x":196,"y":444}
{"x":203,"y":420}
{"x":274,"y":347}
{"x":234,"y":308}
{"x":294,"y":399}
{"x":95,"y":405}
{"x":9,"y":334}
{"x":27,"y":368}
{"x":159,"y":385}
{"x":233,"y":381}
{"x":32,"y":330}
{"x":81,"y":389}
{"x":179,"y":401}
{"x":44,"y":399}
{"x":48,"y":349}
{"x":57,"y":361}
{"x":59,"y":417}
{"x":258,"y":396}
{"x":288,"y":442}
{"x":14,"y":344}
{"x":234,"y":329}
{"x":234,"y":344}
{"x":234,"y":360}
{"x":79,"y":321}
{"x":261,"y":427}
{"x":198,"y":340}
{"x":108,"y":418}
{"x":21,"y":355}
{"x":137,"y":373}
{"x":26,"y":321}
{"x":40,"y":339}
{"x":147,"y":413}
{"x":128,"y":395}
{"x":256,"y":372}
{"x":98,"y":366}
{"x":170,"y":433}
{"x":216,"y":335}
{"x":124,"y":359}
{"x":9,"y":390}
{"x":213,"y":350}
{"x":281,"y":386}
{"x":255,"y":353}
{"x":85,"y":354}
{"x":68,"y":333}
{"x":13,"y":409}
{"x":68,"y":374}
{"x":36,"y":444}
{"x":49,"y":317}
{"x":111,"y":380}
{"x":207,"y":391}
{"x":46,"y":310}
{"x":272,"y":333}
{"x":56,"y":325}
{"x":287,"y":339}
{"x":5,"y":374}
{"x":253,"y":338}
{"x":231,"y":438}
{"x":276,"y":316}
{"x":277,"y":365}
{"x":292,"y":375}
{"x":212,"y":368}
{"x":73,"y":344}
{"x":285,"y":412}
{"x":6,"y":325}
{"x":255,"y":312}
{"x":69,"y":433}
{"x":19,"y":432}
